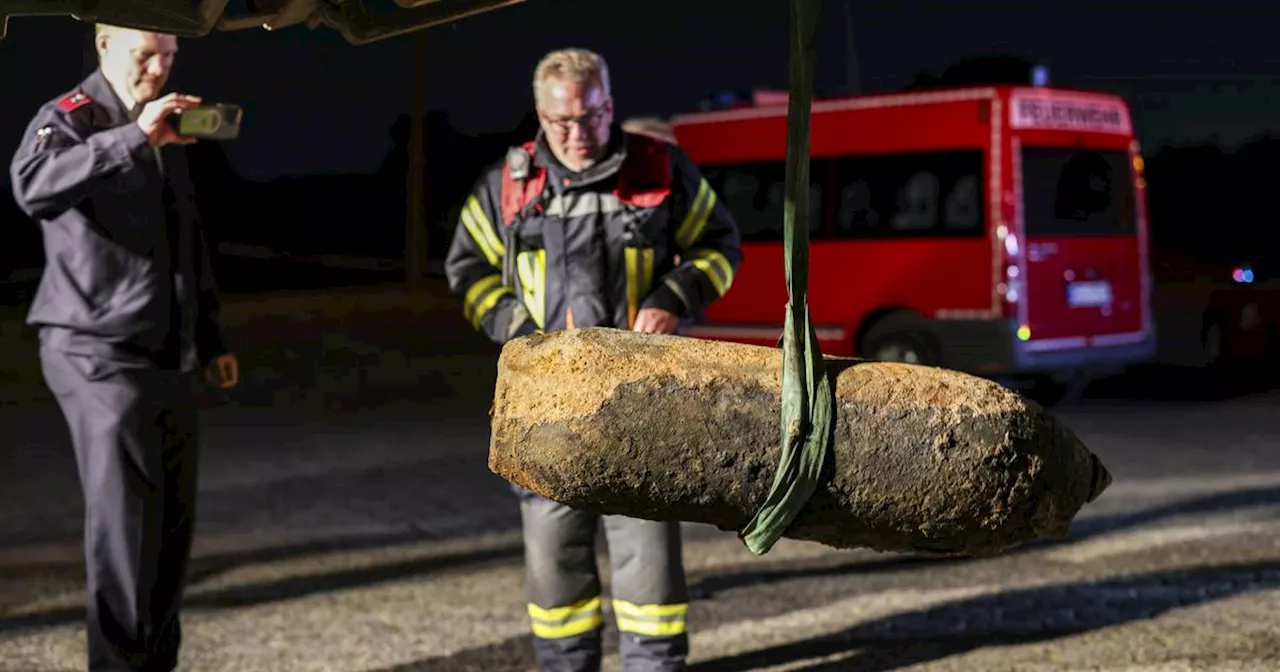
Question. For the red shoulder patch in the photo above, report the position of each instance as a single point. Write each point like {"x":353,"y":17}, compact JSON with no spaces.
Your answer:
{"x":73,"y":101}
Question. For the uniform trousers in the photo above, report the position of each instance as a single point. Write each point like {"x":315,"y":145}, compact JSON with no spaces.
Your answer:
{"x":650,"y":595}
{"x":134,"y":430}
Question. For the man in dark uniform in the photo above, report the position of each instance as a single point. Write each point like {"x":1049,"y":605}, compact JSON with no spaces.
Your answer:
{"x":590,"y":226}
{"x":125,"y":309}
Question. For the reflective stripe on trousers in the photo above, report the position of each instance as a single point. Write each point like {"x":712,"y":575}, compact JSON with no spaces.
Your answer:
{"x":650,"y":596}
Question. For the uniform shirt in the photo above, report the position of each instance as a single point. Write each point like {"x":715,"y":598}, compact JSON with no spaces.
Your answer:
{"x":127,"y":274}
{"x":133,"y":109}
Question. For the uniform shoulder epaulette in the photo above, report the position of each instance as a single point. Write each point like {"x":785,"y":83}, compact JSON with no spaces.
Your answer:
{"x":73,"y":101}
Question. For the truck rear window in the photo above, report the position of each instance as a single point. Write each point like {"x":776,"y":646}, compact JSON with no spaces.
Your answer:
{"x":1077,"y":192}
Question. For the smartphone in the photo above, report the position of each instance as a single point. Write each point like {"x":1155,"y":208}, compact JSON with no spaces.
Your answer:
{"x":219,"y":121}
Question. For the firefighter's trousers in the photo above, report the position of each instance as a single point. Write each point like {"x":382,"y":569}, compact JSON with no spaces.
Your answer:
{"x":649,"y":594}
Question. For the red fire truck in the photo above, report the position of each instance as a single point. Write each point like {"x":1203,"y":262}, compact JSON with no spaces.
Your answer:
{"x":999,"y":230}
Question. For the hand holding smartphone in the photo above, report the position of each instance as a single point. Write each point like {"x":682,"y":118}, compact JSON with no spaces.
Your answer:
{"x":217,"y":121}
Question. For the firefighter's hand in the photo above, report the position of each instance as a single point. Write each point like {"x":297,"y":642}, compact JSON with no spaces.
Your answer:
{"x":656,"y":321}
{"x":223,"y":372}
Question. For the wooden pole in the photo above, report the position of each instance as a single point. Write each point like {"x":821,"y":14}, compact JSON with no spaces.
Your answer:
{"x":853,"y":74}
{"x":415,"y":215}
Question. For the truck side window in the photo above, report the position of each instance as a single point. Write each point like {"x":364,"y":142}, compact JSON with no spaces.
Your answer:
{"x":754,"y":193}
{"x":910,"y":194}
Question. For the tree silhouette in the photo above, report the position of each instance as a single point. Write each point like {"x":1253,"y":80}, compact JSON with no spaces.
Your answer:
{"x":453,"y":164}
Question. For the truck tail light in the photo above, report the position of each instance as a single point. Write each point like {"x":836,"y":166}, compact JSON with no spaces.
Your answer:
{"x":1139,"y":165}
{"x":1011,"y":285}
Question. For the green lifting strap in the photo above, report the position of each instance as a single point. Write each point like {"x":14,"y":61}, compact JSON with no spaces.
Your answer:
{"x":807,"y":398}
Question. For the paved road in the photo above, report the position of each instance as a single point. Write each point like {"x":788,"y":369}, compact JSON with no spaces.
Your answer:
{"x":370,"y":538}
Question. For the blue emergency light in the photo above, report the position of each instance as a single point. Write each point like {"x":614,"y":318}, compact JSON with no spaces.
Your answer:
{"x":1040,"y":75}
{"x":1242,"y":274}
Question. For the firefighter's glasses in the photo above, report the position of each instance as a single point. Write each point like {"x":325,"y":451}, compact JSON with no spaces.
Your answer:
{"x":589,"y":120}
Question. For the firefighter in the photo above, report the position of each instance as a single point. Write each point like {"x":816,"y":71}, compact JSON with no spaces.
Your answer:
{"x":125,"y":305}
{"x":590,"y":226}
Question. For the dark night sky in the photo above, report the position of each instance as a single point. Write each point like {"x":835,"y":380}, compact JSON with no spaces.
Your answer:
{"x":316,"y":104}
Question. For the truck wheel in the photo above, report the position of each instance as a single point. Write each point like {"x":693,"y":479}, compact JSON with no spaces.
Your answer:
{"x":901,"y":338}
{"x":1221,"y":373}
{"x":1049,"y":391}
{"x":1213,"y":341}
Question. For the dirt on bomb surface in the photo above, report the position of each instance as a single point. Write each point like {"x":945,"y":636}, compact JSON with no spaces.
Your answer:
{"x":665,"y":427}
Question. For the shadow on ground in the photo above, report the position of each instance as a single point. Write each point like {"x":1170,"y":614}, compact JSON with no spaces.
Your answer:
{"x":300,"y":586}
{"x":704,"y":587}
{"x":1012,"y":618}
{"x":1082,"y":530}
{"x":1003,"y":619}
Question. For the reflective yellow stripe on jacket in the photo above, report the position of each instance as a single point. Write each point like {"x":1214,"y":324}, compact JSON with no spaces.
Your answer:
{"x":716,"y":266}
{"x":532,"y":268}
{"x":481,"y":230}
{"x":482,"y":296}
{"x":695,"y":221}
{"x":639,"y":263}
{"x":561,"y":622}
{"x":651,"y":620}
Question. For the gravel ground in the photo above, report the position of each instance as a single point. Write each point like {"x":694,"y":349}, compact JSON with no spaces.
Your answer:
{"x":343,"y":531}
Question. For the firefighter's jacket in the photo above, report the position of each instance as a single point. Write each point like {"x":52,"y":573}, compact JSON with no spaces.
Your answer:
{"x":583,"y":253}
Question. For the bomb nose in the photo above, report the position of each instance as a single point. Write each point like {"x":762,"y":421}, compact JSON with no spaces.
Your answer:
{"x":1101,"y":479}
